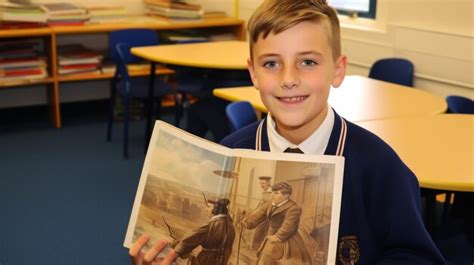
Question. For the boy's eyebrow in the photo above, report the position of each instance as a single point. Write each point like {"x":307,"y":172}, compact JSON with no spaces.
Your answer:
{"x":299,"y":54}
{"x":268,"y":55}
{"x":309,"y":53}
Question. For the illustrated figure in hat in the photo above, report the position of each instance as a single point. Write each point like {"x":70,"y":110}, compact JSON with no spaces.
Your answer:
{"x":260,"y":231}
{"x":215,"y":237}
{"x":283,"y":244}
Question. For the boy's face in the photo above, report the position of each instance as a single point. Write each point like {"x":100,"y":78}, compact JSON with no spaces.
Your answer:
{"x":294,"y":71}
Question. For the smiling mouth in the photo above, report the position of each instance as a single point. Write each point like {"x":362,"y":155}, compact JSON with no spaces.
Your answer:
{"x":292,"y":100}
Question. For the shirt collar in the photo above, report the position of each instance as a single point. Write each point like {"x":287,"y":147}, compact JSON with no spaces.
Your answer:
{"x":280,"y":204}
{"x":217,"y":216}
{"x":315,"y":144}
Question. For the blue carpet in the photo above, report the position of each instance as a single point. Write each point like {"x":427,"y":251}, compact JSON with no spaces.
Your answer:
{"x":66,"y":194}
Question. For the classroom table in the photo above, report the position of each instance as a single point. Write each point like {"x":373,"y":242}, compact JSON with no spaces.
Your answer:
{"x":223,"y":55}
{"x":230,"y":55}
{"x":360,"y":98}
{"x":438,"y":149}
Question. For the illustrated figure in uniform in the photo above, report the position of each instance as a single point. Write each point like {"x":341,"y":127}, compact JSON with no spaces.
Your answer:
{"x":283,"y":244}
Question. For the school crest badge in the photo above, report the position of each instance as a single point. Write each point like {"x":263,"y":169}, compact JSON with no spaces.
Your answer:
{"x":348,"y":251}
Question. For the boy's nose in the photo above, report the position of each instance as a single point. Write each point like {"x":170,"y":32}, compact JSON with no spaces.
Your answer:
{"x":290,"y":78}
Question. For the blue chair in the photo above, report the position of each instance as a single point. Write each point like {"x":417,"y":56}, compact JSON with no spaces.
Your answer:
{"x":240,"y":114}
{"x":394,"y":70}
{"x":459,"y":104}
{"x":120,"y":43}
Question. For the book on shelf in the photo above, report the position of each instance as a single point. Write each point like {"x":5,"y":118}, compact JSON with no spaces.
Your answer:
{"x":10,"y":45}
{"x":78,"y":17}
{"x":32,"y":14}
{"x":94,"y":70}
{"x":214,"y":14}
{"x":78,"y":68}
{"x":12,"y":63}
{"x":20,"y":25}
{"x":174,"y":13}
{"x":75,"y":54}
{"x":174,"y":4}
{"x":210,"y":200}
{"x":63,"y":8}
{"x":23,"y":74}
{"x":66,"y":23}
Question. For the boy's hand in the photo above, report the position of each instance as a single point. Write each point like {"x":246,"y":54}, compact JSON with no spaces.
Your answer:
{"x":150,"y":257}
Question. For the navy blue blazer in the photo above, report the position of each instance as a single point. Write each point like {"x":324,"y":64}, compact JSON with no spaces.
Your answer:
{"x":380,"y":220}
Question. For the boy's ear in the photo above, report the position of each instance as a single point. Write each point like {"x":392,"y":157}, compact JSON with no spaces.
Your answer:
{"x":253,"y":76}
{"x":340,"y":71}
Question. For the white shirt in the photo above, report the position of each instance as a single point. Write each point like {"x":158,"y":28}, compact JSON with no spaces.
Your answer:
{"x":315,"y":144}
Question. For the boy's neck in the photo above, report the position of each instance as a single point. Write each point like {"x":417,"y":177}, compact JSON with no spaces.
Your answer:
{"x":297,"y":135}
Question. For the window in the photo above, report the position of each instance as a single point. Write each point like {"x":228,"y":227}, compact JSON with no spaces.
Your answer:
{"x":359,"y":8}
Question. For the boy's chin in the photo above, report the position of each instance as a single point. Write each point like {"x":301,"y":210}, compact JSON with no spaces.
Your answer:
{"x":289,"y":122}
{"x":294,"y":121}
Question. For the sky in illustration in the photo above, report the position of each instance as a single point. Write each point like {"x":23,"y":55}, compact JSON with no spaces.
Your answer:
{"x":180,"y":161}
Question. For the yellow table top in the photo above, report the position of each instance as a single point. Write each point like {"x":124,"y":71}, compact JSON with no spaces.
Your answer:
{"x":360,"y":98}
{"x":438,"y":149}
{"x":230,"y":55}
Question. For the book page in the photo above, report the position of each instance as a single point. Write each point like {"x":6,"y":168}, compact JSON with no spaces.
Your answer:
{"x":177,"y":180}
{"x":234,"y":206}
{"x":316,"y":189}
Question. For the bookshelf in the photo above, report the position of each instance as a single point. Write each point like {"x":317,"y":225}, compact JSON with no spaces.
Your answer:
{"x":51,"y":34}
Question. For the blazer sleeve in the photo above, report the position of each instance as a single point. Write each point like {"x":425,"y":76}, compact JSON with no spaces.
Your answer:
{"x":395,"y":207}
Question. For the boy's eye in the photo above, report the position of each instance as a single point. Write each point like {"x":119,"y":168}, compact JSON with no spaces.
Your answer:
{"x":270,"y":64}
{"x":308,"y":62}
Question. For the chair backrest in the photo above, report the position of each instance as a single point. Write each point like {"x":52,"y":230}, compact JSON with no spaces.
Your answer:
{"x":123,"y":57}
{"x":133,"y":38}
{"x":394,"y":70}
{"x":459,"y":104}
{"x":240,"y":114}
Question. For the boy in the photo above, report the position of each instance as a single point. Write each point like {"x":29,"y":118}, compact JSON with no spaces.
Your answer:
{"x":295,"y":57}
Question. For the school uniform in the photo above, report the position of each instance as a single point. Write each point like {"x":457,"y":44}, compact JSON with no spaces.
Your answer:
{"x":380,"y":220}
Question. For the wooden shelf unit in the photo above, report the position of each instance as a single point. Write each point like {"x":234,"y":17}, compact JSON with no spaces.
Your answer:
{"x":26,"y":82}
{"x":98,"y":76}
{"x":50,"y":35}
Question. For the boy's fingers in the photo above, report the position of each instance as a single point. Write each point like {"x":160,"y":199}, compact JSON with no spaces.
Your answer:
{"x":138,"y":245}
{"x":168,"y":260}
{"x":151,"y":254}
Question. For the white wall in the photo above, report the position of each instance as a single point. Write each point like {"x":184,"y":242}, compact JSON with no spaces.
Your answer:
{"x":436,"y":35}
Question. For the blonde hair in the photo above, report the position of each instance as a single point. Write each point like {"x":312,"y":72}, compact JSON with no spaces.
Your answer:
{"x":276,"y":16}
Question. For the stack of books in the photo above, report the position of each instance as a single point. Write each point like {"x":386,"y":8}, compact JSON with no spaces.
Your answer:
{"x":21,"y":59}
{"x":24,"y":15}
{"x":75,"y":59}
{"x":174,"y":9}
{"x":65,"y":14}
{"x":102,"y":12}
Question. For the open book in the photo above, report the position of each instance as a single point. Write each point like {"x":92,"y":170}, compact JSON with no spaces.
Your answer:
{"x":218,"y":205}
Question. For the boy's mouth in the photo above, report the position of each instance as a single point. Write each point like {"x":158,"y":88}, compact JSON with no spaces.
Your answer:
{"x":295,"y":99}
